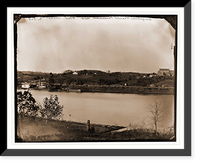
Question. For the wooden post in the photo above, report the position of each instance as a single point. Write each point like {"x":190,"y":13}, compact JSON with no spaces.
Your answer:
{"x":88,"y":125}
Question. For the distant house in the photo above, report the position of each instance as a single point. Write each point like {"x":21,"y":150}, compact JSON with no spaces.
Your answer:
{"x":163,"y":72}
{"x":25,"y":86}
{"x":75,"y":73}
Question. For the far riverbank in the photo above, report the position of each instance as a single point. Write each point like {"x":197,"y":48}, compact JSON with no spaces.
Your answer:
{"x":127,"y":89}
{"x":114,"y":89}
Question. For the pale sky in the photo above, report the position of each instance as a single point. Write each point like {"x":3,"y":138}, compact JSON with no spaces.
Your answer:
{"x":115,"y":44}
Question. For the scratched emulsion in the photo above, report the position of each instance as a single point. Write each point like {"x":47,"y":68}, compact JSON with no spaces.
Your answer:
{"x":55,"y":44}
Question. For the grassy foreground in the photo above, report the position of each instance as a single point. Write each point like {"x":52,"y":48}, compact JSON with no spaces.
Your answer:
{"x":34,"y":129}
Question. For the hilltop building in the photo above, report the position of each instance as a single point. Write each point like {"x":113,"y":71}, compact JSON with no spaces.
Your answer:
{"x":108,"y":71}
{"x":165,"y":72}
{"x":75,"y":73}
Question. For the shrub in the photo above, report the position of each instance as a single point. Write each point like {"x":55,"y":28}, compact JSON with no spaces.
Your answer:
{"x":51,"y":108}
{"x":26,"y":104}
{"x":92,"y":130}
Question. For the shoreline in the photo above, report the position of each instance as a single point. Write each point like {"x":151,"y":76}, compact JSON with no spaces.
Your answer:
{"x":108,"y":89}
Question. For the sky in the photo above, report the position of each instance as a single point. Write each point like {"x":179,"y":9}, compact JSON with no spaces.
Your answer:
{"x":126,"y":44}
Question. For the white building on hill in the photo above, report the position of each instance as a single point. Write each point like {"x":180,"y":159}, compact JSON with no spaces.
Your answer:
{"x":75,"y":73}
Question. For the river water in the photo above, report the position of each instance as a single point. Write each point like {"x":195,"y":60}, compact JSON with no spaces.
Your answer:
{"x":111,"y":108}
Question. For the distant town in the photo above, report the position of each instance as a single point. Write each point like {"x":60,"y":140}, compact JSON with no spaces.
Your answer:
{"x":161,"y":82}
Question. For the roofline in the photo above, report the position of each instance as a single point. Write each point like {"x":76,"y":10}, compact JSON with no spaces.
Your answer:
{"x":163,"y":69}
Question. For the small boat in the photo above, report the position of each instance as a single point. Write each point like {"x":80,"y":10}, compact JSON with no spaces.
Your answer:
{"x":74,"y":90}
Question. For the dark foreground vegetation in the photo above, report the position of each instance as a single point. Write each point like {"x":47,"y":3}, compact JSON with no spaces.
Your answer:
{"x":96,"y":77}
{"x":35,"y":129}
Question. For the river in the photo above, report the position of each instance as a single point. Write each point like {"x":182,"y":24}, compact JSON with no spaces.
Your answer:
{"x":111,"y":108}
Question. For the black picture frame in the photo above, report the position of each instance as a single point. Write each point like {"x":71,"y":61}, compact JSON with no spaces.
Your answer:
{"x":127,"y":152}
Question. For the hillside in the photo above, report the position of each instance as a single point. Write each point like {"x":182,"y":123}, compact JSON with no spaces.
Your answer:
{"x":97,"y":77}
{"x":166,"y":83}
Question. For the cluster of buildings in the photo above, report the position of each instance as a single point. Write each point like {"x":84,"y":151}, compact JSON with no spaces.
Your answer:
{"x":34,"y":84}
{"x":161,"y":72}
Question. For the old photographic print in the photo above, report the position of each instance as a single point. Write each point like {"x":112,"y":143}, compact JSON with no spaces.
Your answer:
{"x":95,"y":78}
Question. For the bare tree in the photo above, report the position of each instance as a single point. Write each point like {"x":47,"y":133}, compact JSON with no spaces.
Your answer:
{"x":156,"y":110}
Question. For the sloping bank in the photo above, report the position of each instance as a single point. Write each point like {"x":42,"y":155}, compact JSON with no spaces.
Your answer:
{"x":35,"y":129}
{"x":30,"y":129}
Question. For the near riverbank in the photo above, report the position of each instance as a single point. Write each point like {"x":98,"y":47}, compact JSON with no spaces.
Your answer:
{"x":35,"y":129}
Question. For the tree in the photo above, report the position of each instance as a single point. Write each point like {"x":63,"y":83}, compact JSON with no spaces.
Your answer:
{"x":26,"y":104}
{"x":80,"y":82}
{"x":51,"y":108}
{"x":156,"y":110}
{"x":51,"y":80}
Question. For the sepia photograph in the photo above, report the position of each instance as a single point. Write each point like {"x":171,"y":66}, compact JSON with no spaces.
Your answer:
{"x":95,"y":78}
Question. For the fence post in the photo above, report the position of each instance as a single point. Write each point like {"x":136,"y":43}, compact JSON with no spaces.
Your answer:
{"x":88,"y":125}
